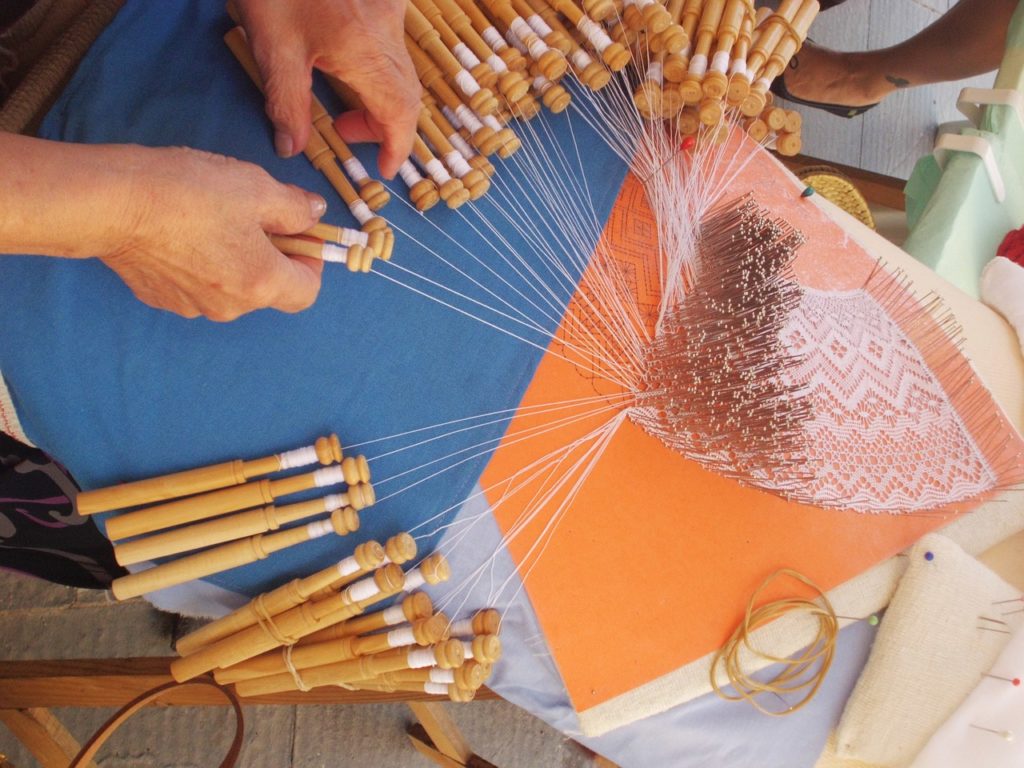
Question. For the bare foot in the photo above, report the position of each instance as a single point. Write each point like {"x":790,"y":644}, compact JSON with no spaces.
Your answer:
{"x":833,"y":77}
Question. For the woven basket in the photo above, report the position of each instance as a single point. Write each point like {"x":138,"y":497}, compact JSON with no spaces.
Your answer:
{"x":837,"y":188}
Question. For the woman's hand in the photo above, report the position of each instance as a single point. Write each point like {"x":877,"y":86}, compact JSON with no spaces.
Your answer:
{"x":358,"y":41}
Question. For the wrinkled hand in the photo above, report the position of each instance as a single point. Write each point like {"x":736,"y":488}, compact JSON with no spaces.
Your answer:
{"x":358,"y":41}
{"x":194,"y":236}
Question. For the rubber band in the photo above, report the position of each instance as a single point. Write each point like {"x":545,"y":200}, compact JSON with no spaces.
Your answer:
{"x":794,"y":676}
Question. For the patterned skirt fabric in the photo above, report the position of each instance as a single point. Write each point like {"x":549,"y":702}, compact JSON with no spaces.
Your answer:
{"x":41,"y":533}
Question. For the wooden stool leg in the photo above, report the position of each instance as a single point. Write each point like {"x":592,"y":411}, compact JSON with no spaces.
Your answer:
{"x":437,"y":738}
{"x":43,"y":735}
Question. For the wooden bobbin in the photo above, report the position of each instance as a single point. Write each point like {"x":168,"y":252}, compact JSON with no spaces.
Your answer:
{"x":794,"y":121}
{"x":513,"y":59}
{"x":648,"y":99}
{"x":774,"y":118}
{"x":710,"y":112}
{"x":526,"y":108}
{"x":756,"y":128}
{"x":716,"y":81}
{"x":788,"y":144}
{"x":451,"y":189}
{"x":781,"y":36}
{"x":228,"y":556}
{"x":552,"y":95}
{"x":236,"y":526}
{"x":422,"y":33}
{"x":674,"y":68}
{"x":192,"y":481}
{"x":485,"y":622}
{"x":691,"y":87}
{"x":591,"y":72}
{"x":599,"y":10}
{"x":671,"y":102}
{"x":428,"y":631}
{"x":689,"y":122}
{"x":645,"y":15}
{"x":367,"y":556}
{"x":483,"y":648}
{"x":474,"y":181}
{"x":373,"y":192}
{"x":672,"y":40}
{"x":551,"y":62}
{"x":447,"y":655}
{"x":289,"y":626}
{"x":413,"y":607}
{"x":613,"y":53}
{"x":356,"y":257}
{"x":400,"y":548}
{"x":739,"y":78}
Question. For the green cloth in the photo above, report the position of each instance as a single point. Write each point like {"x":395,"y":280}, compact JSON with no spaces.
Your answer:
{"x":955,"y":221}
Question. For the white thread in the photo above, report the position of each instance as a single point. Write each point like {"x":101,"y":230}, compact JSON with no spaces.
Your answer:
{"x":414,"y":580}
{"x":462,"y":145}
{"x":763,"y":83}
{"x":300,"y":457}
{"x":393,"y":615}
{"x":334,"y":501}
{"x":319,"y":528}
{"x":361,"y":211}
{"x":492,"y":122}
{"x":465,"y":56}
{"x":363,"y":590}
{"x":538,"y":25}
{"x":720,"y":63}
{"x":739,"y":67}
{"x":401,"y":636}
{"x":698,"y":64}
{"x":515,"y":42}
{"x":452,"y":117}
{"x":541,"y":84}
{"x":581,"y":59}
{"x":467,"y":646}
{"x":328,"y":476}
{"x":468,"y":118}
{"x":421,"y":657}
{"x":335,"y":254}
{"x":437,"y":171}
{"x":466,"y":83}
{"x":655,"y":74}
{"x":521,"y":30}
{"x":461,"y":627}
{"x":594,"y":33}
{"x":443,"y":676}
{"x":457,"y":163}
{"x":494,"y":39}
{"x":435,"y":688}
{"x":355,"y":169}
{"x":349,"y":236}
{"x":409,"y":174}
{"x":497,"y":63}
{"x":290,"y":666}
{"x":348,"y":566}
{"x":537,"y":47}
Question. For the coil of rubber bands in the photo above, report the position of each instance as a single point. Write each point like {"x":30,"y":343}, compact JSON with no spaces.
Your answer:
{"x":802,"y":674}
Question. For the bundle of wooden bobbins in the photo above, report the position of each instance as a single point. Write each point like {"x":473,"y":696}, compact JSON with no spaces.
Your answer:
{"x":181,"y":500}
{"x":720,"y":54}
{"x":315,"y":631}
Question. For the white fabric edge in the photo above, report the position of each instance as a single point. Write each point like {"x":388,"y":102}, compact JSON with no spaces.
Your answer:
{"x":9,"y":421}
{"x":991,"y":346}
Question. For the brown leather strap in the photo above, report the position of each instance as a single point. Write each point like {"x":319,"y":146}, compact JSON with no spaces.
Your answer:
{"x":99,"y":738}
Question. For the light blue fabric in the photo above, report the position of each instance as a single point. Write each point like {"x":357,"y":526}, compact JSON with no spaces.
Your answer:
{"x":119,"y":391}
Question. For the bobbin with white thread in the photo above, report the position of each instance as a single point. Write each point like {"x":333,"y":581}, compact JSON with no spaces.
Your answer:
{"x":326,"y":450}
{"x":413,"y":607}
{"x":228,"y":556}
{"x":551,"y":62}
{"x":367,"y":556}
{"x":352,"y":470}
{"x":448,"y":654}
{"x":371,"y":191}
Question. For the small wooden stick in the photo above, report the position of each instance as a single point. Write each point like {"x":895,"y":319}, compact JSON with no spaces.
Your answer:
{"x":352,"y":470}
{"x":399,"y":549}
{"x":228,"y":556}
{"x":716,"y":82}
{"x":739,"y":78}
{"x":448,"y":654}
{"x":287,"y":627}
{"x":238,"y":526}
{"x":485,"y":622}
{"x":483,"y":648}
{"x":419,"y":29}
{"x":373,"y":193}
{"x":691,"y":88}
{"x":471,"y":675}
{"x":325,"y":450}
{"x":366,"y":557}
{"x":421,"y":632}
{"x":383,"y":684}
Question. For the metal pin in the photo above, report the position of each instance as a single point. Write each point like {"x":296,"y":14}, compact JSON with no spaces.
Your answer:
{"x":1015,"y":681}
{"x":1011,"y":600}
{"x":993,"y":629}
